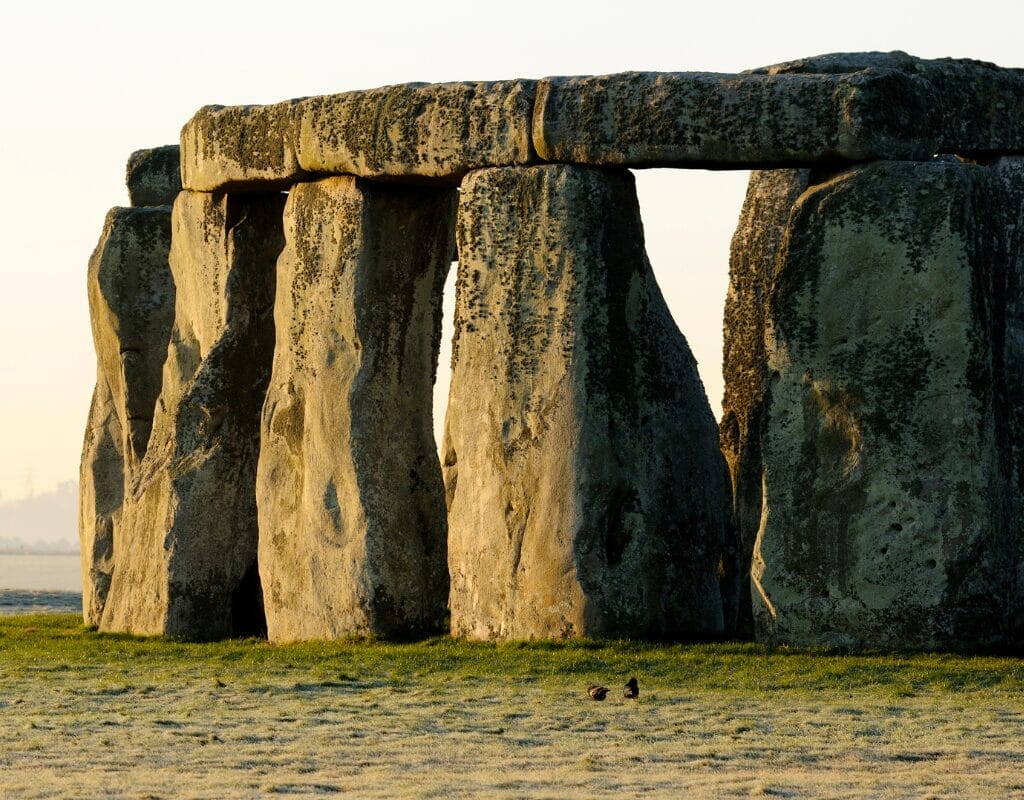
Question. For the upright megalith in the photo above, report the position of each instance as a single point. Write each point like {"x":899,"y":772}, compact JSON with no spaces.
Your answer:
{"x":771,"y":195}
{"x":584,"y":481}
{"x":1008,"y":174}
{"x":351,"y":503}
{"x":100,"y":494}
{"x":131,"y":306}
{"x":186,"y":555}
{"x":886,"y":498}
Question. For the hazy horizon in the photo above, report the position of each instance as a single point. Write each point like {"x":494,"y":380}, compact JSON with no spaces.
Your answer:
{"x":42,"y":522}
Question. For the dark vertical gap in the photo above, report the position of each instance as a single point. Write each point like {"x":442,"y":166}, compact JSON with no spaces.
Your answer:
{"x":248,"y":617}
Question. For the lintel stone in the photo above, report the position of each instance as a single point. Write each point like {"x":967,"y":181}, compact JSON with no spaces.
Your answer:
{"x":416,"y":132}
{"x":428,"y":132}
{"x":703,"y":119}
{"x":980,"y":104}
{"x":238,"y":148}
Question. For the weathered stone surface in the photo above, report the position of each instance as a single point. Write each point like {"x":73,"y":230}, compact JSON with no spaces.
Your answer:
{"x":186,"y":555}
{"x":351,"y":503}
{"x":706,"y":119}
{"x":980,"y":104}
{"x":754,"y":256}
{"x":1008,"y":174}
{"x":584,"y":480}
{"x":131,"y":305}
{"x":154,"y":176}
{"x":414,"y":131}
{"x":771,"y":195}
{"x":243,"y":148}
{"x":884,"y":464}
{"x":101,"y":492}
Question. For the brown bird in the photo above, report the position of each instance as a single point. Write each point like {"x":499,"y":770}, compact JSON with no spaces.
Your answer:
{"x":632,"y":690}
{"x":596,"y":692}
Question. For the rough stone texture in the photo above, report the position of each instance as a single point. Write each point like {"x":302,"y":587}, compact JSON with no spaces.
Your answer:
{"x":584,"y":480}
{"x":240,"y":148}
{"x":351,"y":503}
{"x":154,"y":176}
{"x":771,"y":195}
{"x":101,"y":492}
{"x":435,"y":132}
{"x":413,"y":132}
{"x":980,"y":104}
{"x":716,"y":120}
{"x":131,"y":305}
{"x":186,"y":562}
{"x":1009,"y":177}
{"x":884,"y":479}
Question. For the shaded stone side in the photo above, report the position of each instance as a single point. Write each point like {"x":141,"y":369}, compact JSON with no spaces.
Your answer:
{"x":756,"y":243}
{"x":884,"y":478}
{"x":186,"y":557}
{"x":351,"y":503}
{"x":980,"y":105}
{"x":707,"y":119}
{"x":101,"y":492}
{"x":131,"y":307}
{"x":584,"y":481}
{"x":153,"y":176}
{"x":1009,"y":177}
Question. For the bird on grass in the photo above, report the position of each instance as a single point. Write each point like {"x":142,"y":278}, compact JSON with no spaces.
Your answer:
{"x":632,"y":690}
{"x":597,"y":692}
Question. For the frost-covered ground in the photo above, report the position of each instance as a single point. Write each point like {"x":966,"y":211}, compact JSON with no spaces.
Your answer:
{"x":213,"y":723}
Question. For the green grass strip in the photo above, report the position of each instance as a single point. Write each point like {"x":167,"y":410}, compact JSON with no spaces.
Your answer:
{"x":34,"y":645}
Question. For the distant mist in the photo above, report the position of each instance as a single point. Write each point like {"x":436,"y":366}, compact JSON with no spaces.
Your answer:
{"x":43,"y":523}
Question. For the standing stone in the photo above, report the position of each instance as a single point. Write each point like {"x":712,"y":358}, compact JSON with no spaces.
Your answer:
{"x":131,"y":305}
{"x":186,"y":560}
{"x":351,"y":503}
{"x":883,"y":477}
{"x":584,"y":480}
{"x":771,"y":196}
{"x":101,"y":492}
{"x":1009,"y":177}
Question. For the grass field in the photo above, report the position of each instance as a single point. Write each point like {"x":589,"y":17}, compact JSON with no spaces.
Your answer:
{"x":91,"y":715}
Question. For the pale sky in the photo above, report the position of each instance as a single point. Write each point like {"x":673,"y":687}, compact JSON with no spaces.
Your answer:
{"x":84,"y":84}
